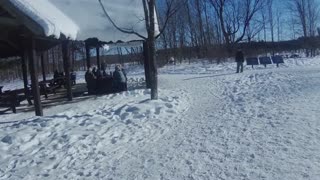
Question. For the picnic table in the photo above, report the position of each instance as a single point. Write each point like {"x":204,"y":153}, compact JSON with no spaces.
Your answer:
{"x":49,"y":86}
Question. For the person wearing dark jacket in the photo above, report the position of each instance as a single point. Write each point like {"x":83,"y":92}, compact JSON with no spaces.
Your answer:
{"x":119,"y":79}
{"x":91,"y":81}
{"x":239,"y":60}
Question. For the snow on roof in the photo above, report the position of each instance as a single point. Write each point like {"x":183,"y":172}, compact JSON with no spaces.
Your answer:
{"x":52,"y":20}
{"x":82,"y":19}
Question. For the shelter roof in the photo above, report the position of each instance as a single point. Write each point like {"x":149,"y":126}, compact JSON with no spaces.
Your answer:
{"x":83,"y":19}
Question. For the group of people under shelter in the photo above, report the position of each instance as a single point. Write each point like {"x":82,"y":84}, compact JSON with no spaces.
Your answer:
{"x":59,"y":78}
{"x":100,"y":82}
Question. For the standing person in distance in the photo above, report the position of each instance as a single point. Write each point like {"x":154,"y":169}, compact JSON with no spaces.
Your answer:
{"x":119,"y":79}
{"x":239,"y":60}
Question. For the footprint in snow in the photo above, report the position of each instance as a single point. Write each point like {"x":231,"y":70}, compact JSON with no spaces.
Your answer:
{"x":158,"y":109}
{"x":168,"y":105}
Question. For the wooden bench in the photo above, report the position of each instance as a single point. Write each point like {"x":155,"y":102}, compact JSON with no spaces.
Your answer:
{"x":265,"y":60}
{"x":60,"y":81}
{"x":11,"y":100}
{"x":252,"y":61}
{"x":277,"y":60}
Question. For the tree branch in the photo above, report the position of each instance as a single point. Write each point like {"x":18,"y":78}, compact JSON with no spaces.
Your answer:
{"x":124,"y":30}
{"x":169,"y":13}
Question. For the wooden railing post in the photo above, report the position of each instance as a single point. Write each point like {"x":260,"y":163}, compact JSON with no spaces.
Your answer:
{"x":34,"y":76}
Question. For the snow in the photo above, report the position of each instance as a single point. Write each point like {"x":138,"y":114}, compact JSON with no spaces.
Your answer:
{"x":209,"y":123}
{"x":52,"y":20}
{"x":83,"y":19}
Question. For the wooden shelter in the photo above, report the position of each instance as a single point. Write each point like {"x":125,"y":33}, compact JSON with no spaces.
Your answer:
{"x":22,"y":37}
{"x":31,"y":27}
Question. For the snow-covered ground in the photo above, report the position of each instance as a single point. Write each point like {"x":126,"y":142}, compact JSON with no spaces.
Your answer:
{"x":209,"y":123}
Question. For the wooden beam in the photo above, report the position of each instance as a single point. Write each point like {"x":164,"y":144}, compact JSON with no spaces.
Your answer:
{"x":5,"y":21}
{"x":66,"y":64}
{"x":43,"y":38}
{"x":34,"y":77}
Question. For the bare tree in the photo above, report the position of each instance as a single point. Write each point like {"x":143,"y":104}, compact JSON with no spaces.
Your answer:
{"x":254,"y":28}
{"x":149,"y":7}
{"x":306,"y":13}
{"x":271,"y":19}
{"x":264,"y":23}
{"x":234,"y":17}
{"x":279,"y":24}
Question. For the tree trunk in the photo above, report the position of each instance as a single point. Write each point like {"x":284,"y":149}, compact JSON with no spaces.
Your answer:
{"x":98,"y":57}
{"x":152,"y":51}
{"x":147,"y":64}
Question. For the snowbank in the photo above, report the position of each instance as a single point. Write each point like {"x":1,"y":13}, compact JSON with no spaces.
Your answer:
{"x":209,"y":123}
{"x":81,"y":140}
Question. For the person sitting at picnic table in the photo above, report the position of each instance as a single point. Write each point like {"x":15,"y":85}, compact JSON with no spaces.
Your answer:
{"x":95,"y":71}
{"x":119,"y":79}
{"x":58,"y":78}
{"x":55,"y":74}
{"x":91,"y":81}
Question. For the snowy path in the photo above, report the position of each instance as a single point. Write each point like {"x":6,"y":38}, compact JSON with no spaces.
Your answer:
{"x":261,"y":124}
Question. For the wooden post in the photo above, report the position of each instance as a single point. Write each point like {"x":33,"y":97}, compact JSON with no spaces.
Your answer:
{"x":66,"y":64}
{"x":98,"y":57}
{"x":34,"y":77}
{"x":25,"y":75}
{"x":53,"y":60}
{"x":73,"y":56}
{"x":43,"y":67}
{"x":88,"y":55}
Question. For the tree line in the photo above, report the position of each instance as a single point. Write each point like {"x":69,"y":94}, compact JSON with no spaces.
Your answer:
{"x":224,"y":24}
